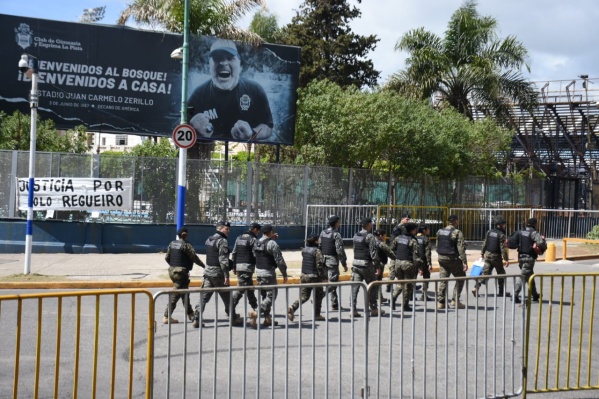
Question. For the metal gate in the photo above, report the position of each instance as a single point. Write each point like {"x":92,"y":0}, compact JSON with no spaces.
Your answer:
{"x":349,"y":215}
{"x":561,"y":351}
{"x":303,"y":358}
{"x":53,"y":346}
{"x":426,"y":352}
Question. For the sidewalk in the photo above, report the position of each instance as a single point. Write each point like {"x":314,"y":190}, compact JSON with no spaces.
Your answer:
{"x":150,"y":270}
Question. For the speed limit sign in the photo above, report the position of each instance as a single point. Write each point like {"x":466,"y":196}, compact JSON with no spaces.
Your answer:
{"x":184,"y":136}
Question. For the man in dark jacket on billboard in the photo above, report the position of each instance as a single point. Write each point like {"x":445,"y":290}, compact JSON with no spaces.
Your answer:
{"x":229,"y":106}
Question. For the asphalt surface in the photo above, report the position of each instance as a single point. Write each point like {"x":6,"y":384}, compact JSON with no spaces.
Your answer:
{"x":149,"y":270}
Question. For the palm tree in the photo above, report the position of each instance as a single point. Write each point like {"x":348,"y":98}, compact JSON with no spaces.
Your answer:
{"x":467,"y":68}
{"x":206,"y":17}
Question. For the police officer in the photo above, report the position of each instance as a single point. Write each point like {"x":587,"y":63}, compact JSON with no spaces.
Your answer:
{"x":495,"y":254}
{"x":268,"y":259}
{"x":244,"y":263}
{"x":180,"y":256}
{"x":397,"y":230}
{"x":424,"y":252}
{"x":331,"y":245}
{"x":385,"y":253}
{"x":452,"y":261}
{"x":216,"y":273}
{"x":529,"y":240}
{"x":365,"y":255}
{"x":312,"y":272}
{"x":407,"y":264}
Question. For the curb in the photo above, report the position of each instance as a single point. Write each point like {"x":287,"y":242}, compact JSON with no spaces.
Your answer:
{"x":195,"y":283}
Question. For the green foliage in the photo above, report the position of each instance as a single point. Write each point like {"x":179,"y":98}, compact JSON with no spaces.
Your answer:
{"x":330,"y":50}
{"x":384,"y":130}
{"x":150,"y":148}
{"x":206,"y":17}
{"x":593,"y":234}
{"x":15,"y":132}
{"x":467,"y":67}
{"x":156,"y":171}
{"x":265,"y":25}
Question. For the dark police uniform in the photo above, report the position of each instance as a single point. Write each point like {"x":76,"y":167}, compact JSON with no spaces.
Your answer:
{"x":245,"y":263}
{"x":312,"y":272}
{"x":526,"y":259}
{"x":494,"y":252}
{"x":180,"y":256}
{"x":406,"y":264}
{"x":365,"y":254}
{"x":268,"y":259}
{"x":331,"y":245}
{"x":217,"y":270}
{"x":452,"y":259}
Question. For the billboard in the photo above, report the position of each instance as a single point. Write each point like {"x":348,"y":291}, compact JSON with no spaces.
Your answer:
{"x":116,"y":79}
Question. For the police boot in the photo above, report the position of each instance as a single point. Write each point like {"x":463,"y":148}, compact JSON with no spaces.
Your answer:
{"x":501,"y":293}
{"x":196,"y":322}
{"x":268,"y":321}
{"x":388,"y":288}
{"x":254,"y":319}
{"x":375,"y":312}
{"x":236,"y":320}
{"x":167,"y":320}
{"x":407,"y":307}
{"x":191,"y":316}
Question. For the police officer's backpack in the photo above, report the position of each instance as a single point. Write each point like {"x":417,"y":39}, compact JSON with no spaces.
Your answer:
{"x":540,"y":249}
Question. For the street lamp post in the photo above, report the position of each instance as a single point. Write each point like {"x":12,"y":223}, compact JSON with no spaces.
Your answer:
{"x":585,"y":85}
{"x":32,"y":72}
{"x":182,"y":178}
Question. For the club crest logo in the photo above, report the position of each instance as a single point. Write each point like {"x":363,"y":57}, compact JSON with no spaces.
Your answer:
{"x":244,"y":102}
{"x":24,"y":36}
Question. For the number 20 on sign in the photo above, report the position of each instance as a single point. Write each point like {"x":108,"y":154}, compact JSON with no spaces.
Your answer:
{"x":184,"y":136}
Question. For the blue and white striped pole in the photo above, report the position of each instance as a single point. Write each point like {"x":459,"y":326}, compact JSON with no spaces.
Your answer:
{"x":182,"y":179}
{"x":33,"y":99}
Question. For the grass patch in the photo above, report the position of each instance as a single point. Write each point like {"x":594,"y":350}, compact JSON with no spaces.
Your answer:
{"x":31,"y":277}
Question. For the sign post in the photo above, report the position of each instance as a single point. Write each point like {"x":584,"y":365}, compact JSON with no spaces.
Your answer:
{"x":184,"y":136}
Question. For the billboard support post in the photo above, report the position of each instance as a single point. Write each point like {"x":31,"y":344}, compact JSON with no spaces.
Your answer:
{"x":29,"y":66}
{"x":182,"y":177}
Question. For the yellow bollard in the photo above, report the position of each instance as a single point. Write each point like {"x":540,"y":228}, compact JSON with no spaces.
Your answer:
{"x":550,"y":253}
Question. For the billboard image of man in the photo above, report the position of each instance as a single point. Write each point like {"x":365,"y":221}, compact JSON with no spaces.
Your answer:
{"x":228,"y":106}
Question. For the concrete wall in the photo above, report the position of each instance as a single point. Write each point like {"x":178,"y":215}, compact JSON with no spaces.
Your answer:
{"x":79,"y":237}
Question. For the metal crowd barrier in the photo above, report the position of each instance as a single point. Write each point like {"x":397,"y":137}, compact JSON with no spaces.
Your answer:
{"x":450,"y":353}
{"x":560,"y":353}
{"x":388,"y":216}
{"x":493,"y":348}
{"x":475,"y":222}
{"x":560,"y":223}
{"x":63,"y":350}
{"x":303,"y":358}
{"x":349,"y":215}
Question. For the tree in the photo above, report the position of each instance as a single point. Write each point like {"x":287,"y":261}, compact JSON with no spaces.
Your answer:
{"x":264,"y":24}
{"x":347,"y":127}
{"x":156,"y":169}
{"x":330,"y":50}
{"x":15,"y":131}
{"x":468,"y":67}
{"x":206,"y":17}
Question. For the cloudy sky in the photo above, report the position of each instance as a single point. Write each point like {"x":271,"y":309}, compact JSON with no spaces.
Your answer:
{"x":559,"y":35}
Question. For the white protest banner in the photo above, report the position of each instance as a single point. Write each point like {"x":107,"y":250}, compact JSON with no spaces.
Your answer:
{"x":72,"y":193}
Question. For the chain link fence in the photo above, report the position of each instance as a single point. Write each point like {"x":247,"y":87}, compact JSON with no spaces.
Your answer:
{"x":243,"y":192}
